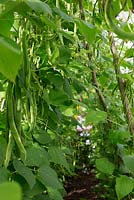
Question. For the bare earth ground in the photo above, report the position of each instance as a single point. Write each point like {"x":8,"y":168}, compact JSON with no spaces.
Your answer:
{"x":82,"y":187}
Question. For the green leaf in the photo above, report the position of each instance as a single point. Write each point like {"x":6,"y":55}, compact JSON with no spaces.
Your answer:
{"x":87,"y":30}
{"x":56,"y":79}
{"x":63,"y":15}
{"x":95,"y":116}
{"x":129,"y":163}
{"x":129,"y":53}
{"x":57,"y":97}
{"x":58,"y":157}
{"x":10,"y":58}
{"x":78,"y":86}
{"x":39,"y":6}
{"x":10,"y":191}
{"x":124,"y":185}
{"x":54,"y":194}
{"x":64,"y":55}
{"x":6,"y":22}
{"x":42,"y":138}
{"x":105,"y":166}
{"x":24,"y":172}
{"x":118,"y":136}
{"x":36,"y":156}
{"x":4,"y":173}
{"x":48,"y":177}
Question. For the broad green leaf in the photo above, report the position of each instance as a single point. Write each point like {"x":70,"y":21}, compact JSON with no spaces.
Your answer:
{"x":64,"y":55}
{"x":57,"y":97}
{"x":63,"y":15}
{"x":42,"y":138}
{"x":10,"y":191}
{"x":54,"y":194}
{"x":6,"y":22}
{"x":58,"y":157}
{"x":105,"y":166}
{"x":56,"y":79}
{"x":48,"y":177}
{"x":129,"y":163}
{"x":36,"y":156}
{"x":94,"y":116}
{"x":124,"y":185}
{"x":24,"y":172}
{"x":118,"y":136}
{"x":10,"y":58}
{"x":87,"y":30}
{"x":39,"y":6}
{"x":4,"y":173}
{"x":37,"y":189}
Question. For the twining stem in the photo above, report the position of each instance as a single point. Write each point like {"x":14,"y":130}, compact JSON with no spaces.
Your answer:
{"x":121,"y":85}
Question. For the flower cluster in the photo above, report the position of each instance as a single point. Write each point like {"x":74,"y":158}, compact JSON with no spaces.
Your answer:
{"x":84,"y":131}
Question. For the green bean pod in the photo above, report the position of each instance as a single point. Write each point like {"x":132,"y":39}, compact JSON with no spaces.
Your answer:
{"x":9,"y":150}
{"x":121,"y":33}
{"x":12,"y":125}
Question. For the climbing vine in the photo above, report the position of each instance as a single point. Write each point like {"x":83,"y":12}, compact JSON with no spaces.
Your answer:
{"x":66,"y":96}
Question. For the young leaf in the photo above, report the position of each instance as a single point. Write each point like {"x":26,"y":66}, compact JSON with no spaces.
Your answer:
{"x":10,"y":191}
{"x":105,"y":166}
{"x":24,"y":172}
{"x":48,"y":177}
{"x":10,"y":58}
{"x":124,"y":185}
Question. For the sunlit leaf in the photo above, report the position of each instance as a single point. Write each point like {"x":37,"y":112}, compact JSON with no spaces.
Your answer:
{"x":124,"y":185}
{"x":10,"y":58}
{"x":10,"y":191}
{"x":87,"y":30}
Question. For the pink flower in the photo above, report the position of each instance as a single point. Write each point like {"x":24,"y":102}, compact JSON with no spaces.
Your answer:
{"x":79,"y":129}
{"x":87,"y":142}
{"x":89,"y":127}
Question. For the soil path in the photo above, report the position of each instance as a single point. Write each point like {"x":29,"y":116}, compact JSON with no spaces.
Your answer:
{"x":83,"y":187}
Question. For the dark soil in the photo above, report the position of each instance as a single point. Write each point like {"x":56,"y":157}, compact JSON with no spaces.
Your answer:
{"x":83,"y":187}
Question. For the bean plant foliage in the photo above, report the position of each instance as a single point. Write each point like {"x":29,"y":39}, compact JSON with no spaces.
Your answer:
{"x":66,"y":96}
